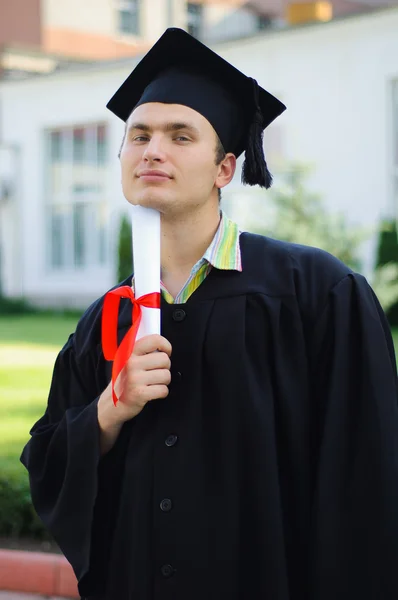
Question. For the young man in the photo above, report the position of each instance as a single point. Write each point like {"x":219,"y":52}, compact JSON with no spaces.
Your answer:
{"x":253,"y":453}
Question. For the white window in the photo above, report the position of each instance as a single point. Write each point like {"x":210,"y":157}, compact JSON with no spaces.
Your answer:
{"x":76,"y":209}
{"x":129,"y":17}
{"x":194,"y":19}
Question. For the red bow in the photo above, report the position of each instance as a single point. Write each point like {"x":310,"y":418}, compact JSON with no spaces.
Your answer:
{"x":110,"y":311}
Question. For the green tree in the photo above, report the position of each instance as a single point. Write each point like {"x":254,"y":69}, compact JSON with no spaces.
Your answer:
{"x":387,"y":261}
{"x":295,"y":214}
{"x":125,"y":250}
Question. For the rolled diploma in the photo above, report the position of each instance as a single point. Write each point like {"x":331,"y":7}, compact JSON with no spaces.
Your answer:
{"x":146,"y":252}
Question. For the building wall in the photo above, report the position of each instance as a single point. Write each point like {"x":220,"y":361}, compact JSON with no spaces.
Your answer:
{"x":20,"y":22}
{"x":90,"y":46}
{"x":223,"y":22}
{"x":72,"y":30}
{"x":90,"y":16}
{"x":85,"y":30}
{"x":335,"y":79}
{"x":54,"y":102}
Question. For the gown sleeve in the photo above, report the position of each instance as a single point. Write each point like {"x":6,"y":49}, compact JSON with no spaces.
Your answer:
{"x":354,"y":537}
{"x":66,"y":472}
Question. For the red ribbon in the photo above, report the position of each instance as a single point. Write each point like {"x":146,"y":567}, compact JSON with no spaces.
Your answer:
{"x":110,"y":311}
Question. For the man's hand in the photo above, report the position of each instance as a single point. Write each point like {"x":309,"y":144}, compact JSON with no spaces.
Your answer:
{"x":145,"y":377}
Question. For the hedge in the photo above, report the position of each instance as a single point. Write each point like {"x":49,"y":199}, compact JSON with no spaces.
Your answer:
{"x":387,"y":252}
{"x":18,"y":518}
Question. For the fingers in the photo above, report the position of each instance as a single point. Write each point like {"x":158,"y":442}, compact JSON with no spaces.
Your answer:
{"x":151,"y":343}
{"x":158,"y":377}
{"x":157,"y":391}
{"x":147,"y":362}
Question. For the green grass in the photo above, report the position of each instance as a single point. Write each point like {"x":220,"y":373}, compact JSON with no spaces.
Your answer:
{"x":28,"y":347}
{"x":47,"y":330}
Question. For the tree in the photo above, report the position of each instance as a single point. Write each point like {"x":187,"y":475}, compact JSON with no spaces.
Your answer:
{"x":295,"y":214}
{"x":387,"y":261}
{"x":125,"y":250}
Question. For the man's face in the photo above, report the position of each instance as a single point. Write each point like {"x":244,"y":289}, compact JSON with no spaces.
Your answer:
{"x":168,"y":159}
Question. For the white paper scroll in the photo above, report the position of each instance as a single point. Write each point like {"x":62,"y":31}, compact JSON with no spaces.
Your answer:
{"x":146,"y":250}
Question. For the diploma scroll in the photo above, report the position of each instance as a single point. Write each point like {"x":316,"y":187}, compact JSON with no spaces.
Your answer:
{"x":146,"y":252}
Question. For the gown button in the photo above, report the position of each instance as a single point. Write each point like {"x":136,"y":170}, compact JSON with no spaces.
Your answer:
{"x":171,"y":440}
{"x":179,"y":314}
{"x":166,"y":505}
{"x":167,"y":571}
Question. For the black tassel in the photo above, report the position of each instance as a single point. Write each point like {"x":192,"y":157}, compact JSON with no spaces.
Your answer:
{"x":255,"y":170}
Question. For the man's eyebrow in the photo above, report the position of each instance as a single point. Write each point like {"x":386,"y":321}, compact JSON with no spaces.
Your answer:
{"x":175,"y":126}
{"x":140,"y":126}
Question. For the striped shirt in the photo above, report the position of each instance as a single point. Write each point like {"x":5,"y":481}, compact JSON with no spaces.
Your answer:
{"x":223,"y":253}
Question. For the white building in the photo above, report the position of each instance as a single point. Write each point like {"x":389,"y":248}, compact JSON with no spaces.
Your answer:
{"x":59,"y":172}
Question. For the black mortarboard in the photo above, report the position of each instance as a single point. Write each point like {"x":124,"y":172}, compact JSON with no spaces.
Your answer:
{"x":181,"y":70}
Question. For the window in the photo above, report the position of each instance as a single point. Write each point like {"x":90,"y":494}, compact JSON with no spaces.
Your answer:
{"x":76,"y":210}
{"x":194,"y":18}
{"x":129,"y":17}
{"x":263,"y":22}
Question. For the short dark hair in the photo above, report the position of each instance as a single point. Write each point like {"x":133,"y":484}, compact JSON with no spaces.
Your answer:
{"x":121,"y":145}
{"x":220,"y":152}
{"x":220,"y":155}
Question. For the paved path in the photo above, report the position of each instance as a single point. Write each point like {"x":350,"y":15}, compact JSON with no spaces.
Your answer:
{"x":17,"y":596}
{"x":47,"y":575}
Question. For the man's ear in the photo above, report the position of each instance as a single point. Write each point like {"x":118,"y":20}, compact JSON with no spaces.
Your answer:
{"x":226,"y":170}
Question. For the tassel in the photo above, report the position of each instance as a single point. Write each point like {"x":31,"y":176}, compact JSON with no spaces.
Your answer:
{"x":255,"y":170}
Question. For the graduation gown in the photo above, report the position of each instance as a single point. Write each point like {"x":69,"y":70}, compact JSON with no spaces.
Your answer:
{"x":271,"y":469}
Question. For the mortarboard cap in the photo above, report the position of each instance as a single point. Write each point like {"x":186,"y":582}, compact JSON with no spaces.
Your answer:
{"x":181,"y":70}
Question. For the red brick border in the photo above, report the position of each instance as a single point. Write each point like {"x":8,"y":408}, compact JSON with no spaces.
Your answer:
{"x":37,"y":573}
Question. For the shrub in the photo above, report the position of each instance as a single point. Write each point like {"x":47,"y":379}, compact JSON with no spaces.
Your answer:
{"x":15,"y":306}
{"x":387,"y":254}
{"x":296,"y":214}
{"x":17,"y":515}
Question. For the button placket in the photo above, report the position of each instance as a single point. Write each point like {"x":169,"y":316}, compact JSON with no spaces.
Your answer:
{"x":167,"y":508}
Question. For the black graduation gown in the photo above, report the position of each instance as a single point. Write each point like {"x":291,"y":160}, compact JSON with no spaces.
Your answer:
{"x":270,"y":471}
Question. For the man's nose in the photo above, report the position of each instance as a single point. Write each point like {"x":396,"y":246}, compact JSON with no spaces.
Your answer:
{"x":155,"y":149}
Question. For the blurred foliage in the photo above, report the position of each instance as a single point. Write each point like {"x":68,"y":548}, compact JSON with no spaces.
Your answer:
{"x":296,"y":214}
{"x":17,"y":515}
{"x":125,"y":250}
{"x":385,"y":285}
{"x":387,"y":267}
{"x":387,"y":250}
{"x":299,"y":216}
{"x":15,"y":306}
{"x":20,"y":306}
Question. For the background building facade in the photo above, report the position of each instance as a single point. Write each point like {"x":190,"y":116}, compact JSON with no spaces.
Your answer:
{"x":60,"y":192}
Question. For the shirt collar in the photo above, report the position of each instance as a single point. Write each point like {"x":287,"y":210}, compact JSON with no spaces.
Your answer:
{"x":224,"y":251}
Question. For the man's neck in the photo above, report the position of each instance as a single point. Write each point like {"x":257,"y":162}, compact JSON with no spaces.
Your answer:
{"x":184,"y":240}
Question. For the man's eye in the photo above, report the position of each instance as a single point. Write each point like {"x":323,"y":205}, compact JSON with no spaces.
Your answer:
{"x":182,"y":138}
{"x":140,"y":138}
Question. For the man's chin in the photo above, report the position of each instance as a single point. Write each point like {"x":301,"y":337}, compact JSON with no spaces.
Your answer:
{"x":149,"y":200}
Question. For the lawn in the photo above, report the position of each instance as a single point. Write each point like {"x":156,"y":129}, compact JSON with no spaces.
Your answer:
{"x":28,"y":347}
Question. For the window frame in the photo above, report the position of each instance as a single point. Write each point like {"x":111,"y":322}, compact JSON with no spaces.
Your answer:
{"x":62,"y":197}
